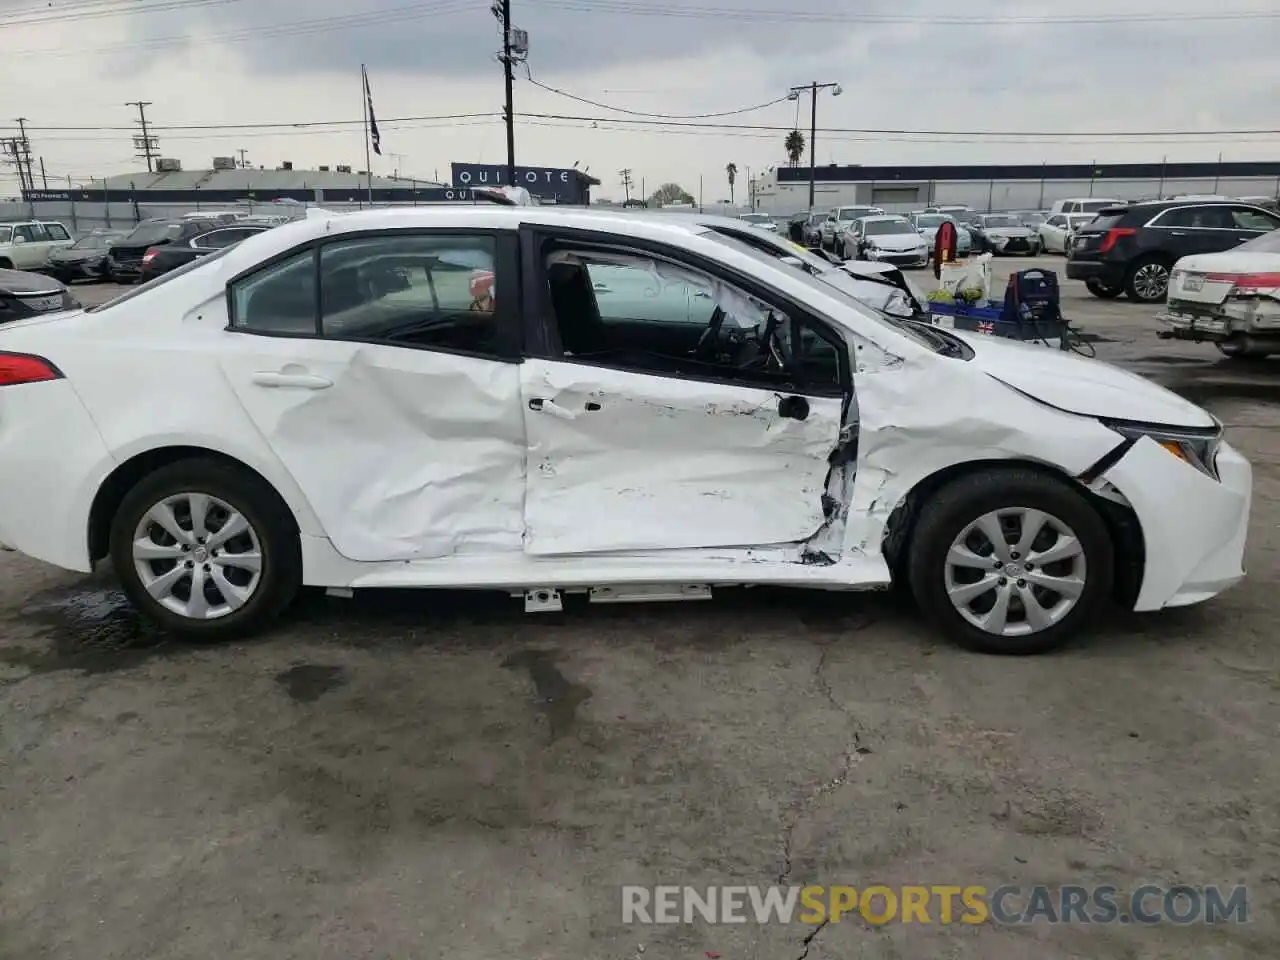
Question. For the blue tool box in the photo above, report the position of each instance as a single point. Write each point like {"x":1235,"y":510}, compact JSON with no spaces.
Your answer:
{"x":1029,"y":312}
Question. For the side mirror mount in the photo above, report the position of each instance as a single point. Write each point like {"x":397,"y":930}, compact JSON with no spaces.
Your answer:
{"x":19,"y":239}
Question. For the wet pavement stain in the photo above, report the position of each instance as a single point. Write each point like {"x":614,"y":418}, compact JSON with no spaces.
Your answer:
{"x":308,"y":682}
{"x":558,"y":696}
{"x":90,"y":629}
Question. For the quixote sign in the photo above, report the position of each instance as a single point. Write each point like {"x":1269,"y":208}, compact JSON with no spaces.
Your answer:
{"x":551,"y":183}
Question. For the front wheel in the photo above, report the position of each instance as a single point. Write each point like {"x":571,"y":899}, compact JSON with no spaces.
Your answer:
{"x":1010,"y":561}
{"x":206,"y":549}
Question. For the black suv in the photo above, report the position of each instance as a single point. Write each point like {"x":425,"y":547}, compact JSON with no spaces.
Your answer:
{"x":124,"y":258}
{"x":1131,"y":249}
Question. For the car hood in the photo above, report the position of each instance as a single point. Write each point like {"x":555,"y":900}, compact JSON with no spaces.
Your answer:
{"x":896,"y":241}
{"x":1231,"y":261}
{"x":1078,"y":385}
{"x":19,"y":281}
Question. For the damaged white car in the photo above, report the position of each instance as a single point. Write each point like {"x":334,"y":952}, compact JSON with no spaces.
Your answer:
{"x":547,"y":401}
{"x":1231,"y":299}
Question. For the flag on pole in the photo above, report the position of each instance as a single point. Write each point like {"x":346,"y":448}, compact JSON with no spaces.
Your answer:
{"x":374,"y":137}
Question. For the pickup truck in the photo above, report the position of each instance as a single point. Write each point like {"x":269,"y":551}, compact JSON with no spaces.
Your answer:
{"x":26,"y":244}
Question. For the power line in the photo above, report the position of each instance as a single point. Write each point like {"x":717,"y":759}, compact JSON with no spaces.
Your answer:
{"x":106,"y":10}
{"x":353,"y":21}
{"x":255,"y":125}
{"x":750,"y":15}
{"x":665,"y":116}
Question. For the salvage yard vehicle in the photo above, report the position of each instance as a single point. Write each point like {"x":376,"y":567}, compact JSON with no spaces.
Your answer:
{"x":86,"y":259}
{"x":437,"y":397}
{"x":1230,"y":299}
{"x":1132,"y":248}
{"x":26,"y":244}
{"x":1058,"y":230}
{"x":160,"y":260}
{"x":887,"y":239}
{"x":838,"y":221}
{"x":125,"y":255}
{"x":1006,"y":234}
{"x":25,"y":295}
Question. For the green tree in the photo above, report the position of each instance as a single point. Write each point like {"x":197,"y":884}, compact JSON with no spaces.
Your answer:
{"x":670,"y":193}
{"x":731,"y":171}
{"x":795,"y":146}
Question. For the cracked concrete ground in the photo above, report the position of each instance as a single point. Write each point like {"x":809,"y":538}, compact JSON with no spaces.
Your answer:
{"x":423,"y":775}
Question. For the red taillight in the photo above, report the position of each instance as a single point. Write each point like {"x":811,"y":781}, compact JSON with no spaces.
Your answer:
{"x":1246,"y":282}
{"x":1113,"y":237}
{"x":24,"y":368}
{"x":149,"y":255}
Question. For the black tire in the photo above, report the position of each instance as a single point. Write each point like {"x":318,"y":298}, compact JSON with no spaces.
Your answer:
{"x":1237,"y":349}
{"x":968,"y":498}
{"x":1101,"y":290}
{"x":269,"y":517}
{"x":6,"y":264}
{"x":1134,"y":286}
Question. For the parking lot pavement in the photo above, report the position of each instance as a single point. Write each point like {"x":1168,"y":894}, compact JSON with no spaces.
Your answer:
{"x":416,"y":775}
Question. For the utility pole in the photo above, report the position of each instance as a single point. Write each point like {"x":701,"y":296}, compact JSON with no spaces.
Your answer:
{"x":813,"y":89}
{"x":515,"y":49}
{"x":626,"y":182}
{"x":22,"y":154}
{"x":243,"y":163}
{"x":43,"y":178}
{"x":149,"y":146}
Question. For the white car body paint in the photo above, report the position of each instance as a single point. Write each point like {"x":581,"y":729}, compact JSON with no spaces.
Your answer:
{"x":376,"y":508}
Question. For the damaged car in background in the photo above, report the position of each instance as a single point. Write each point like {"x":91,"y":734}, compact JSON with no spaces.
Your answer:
{"x":547,"y":402}
{"x":1230,"y":299}
{"x":1005,"y":234}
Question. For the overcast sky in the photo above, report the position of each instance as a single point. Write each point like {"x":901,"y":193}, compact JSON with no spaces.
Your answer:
{"x":210,"y":62}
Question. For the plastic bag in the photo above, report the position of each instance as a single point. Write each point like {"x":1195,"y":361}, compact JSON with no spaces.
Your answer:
{"x":973,"y":273}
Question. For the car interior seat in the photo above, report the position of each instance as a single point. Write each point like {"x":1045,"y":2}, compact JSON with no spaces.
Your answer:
{"x":577,"y":314}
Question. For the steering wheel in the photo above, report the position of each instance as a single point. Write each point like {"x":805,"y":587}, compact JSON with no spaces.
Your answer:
{"x":709,"y":342}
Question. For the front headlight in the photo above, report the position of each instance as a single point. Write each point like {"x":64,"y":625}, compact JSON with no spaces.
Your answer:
{"x":1197,"y":447}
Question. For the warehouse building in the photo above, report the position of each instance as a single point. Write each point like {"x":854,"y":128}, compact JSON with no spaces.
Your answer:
{"x":785,"y":190}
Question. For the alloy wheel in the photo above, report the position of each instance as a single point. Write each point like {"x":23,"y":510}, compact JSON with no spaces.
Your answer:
{"x":1151,"y":281}
{"x":1015,"y":572}
{"x":197,"y":556}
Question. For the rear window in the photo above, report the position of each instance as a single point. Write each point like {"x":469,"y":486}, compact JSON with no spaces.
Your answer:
{"x":1105,"y":221}
{"x":152,"y":233}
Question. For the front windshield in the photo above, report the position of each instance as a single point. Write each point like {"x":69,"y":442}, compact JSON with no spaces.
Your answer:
{"x":1267,"y":243}
{"x":1001,"y":222}
{"x":853,"y":213}
{"x":1081,"y":220}
{"x":876,"y":228}
{"x":905,"y":328}
{"x":95,"y":242}
{"x":931,"y":220}
{"x":152,"y":232}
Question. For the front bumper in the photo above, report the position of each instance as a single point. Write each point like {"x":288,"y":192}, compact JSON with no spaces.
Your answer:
{"x":909,"y":258}
{"x":78,"y":269}
{"x":1193,"y":526}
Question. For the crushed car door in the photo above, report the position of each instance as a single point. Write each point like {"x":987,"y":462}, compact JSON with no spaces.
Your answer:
{"x":398,"y":414}
{"x":657,"y":423}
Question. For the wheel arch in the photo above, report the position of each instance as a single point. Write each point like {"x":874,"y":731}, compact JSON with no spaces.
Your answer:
{"x":1122,"y":523}
{"x":128,"y":473}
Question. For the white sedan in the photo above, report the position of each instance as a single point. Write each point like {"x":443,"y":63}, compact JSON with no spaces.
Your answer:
{"x":546,"y":401}
{"x":1056,"y":231}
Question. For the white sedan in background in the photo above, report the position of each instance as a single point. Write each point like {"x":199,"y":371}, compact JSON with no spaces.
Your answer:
{"x":445,"y":397}
{"x":1057,"y":230}
{"x":761,"y":220}
{"x":886,"y":239}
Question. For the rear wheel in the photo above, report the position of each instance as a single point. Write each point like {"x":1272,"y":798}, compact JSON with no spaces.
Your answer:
{"x":1238,"y":348}
{"x":1101,"y":290}
{"x":1010,"y":561}
{"x":1148,"y":280}
{"x":206,"y":549}
{"x":6,"y":264}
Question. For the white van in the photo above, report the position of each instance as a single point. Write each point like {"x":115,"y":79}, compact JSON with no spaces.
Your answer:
{"x":1082,"y":205}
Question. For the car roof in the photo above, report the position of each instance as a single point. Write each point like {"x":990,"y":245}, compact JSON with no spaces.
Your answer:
{"x":881,"y":218}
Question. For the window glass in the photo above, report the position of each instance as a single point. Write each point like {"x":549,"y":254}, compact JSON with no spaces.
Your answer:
{"x":1197,"y":217}
{"x":57,"y":231}
{"x":95,"y":241}
{"x":878,"y":228}
{"x":1247,"y":219}
{"x":31,"y":232}
{"x":6,"y":234}
{"x":152,"y":231}
{"x":220,"y":238}
{"x":1057,"y":220}
{"x":429,"y":291}
{"x":279,"y":299}
{"x":641,"y":313}
{"x":1093,"y":206}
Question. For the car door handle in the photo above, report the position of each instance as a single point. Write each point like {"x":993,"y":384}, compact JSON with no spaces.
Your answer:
{"x":550,"y":407}
{"x":1177,"y":233}
{"x":303,"y":381}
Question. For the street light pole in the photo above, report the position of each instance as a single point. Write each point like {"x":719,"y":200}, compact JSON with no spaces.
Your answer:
{"x":813,"y":89}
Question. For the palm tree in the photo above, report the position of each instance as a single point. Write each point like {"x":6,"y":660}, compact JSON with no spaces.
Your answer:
{"x":795,"y":146}
{"x":732,"y":172}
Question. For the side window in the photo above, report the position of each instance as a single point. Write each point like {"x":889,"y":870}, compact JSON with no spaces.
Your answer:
{"x":1245,"y":218}
{"x":1057,"y":220}
{"x":6,"y":234}
{"x":30,"y":232}
{"x":279,"y":299}
{"x":635,"y":312}
{"x":219,"y":239}
{"x":425,"y":291}
{"x":1197,"y":218}
{"x":57,"y":231}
